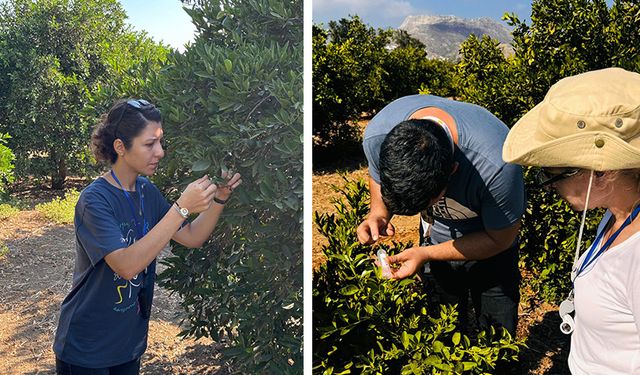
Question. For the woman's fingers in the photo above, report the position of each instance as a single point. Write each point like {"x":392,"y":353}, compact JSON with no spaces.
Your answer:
{"x":234,"y":181}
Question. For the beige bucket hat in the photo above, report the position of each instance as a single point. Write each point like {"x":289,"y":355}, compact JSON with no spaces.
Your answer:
{"x":590,"y":120}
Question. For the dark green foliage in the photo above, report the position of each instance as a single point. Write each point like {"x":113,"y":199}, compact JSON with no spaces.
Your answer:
{"x":484,"y":76}
{"x":566,"y":37}
{"x":234,"y":100}
{"x":134,"y":61}
{"x":624,"y":34}
{"x":347,"y":76}
{"x":358,"y":69}
{"x":365,"y":324}
{"x":54,"y":54}
{"x":6,"y":163}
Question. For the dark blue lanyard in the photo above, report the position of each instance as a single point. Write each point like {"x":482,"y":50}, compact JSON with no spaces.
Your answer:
{"x":590,"y":258}
{"x":143,"y":231}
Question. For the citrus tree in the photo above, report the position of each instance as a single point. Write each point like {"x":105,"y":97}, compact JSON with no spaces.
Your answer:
{"x":233,"y":100}
{"x":6,"y":163}
{"x":54,"y":56}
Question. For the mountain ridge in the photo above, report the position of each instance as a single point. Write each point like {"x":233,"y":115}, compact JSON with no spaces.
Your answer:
{"x":442,"y":35}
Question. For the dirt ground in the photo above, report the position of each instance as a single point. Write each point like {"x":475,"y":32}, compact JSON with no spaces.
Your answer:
{"x":36,"y":274}
{"x":547,"y":349}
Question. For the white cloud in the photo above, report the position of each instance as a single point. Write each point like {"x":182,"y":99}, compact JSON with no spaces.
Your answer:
{"x":377,"y":13}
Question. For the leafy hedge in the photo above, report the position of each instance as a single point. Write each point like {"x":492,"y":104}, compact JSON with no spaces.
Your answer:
{"x":365,"y":324}
{"x":233,"y":100}
{"x":354,"y":71}
{"x":6,"y":163}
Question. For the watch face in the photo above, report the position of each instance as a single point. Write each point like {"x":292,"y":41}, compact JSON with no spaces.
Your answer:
{"x":184,"y":212}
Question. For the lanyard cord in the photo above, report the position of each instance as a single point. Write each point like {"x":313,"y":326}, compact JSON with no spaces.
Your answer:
{"x":590,"y":258}
{"x":142,"y":232}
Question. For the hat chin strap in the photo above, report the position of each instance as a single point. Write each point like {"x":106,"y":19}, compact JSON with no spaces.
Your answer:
{"x":574,"y":268}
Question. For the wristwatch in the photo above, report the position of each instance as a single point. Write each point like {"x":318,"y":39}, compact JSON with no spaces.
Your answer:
{"x":182,"y":211}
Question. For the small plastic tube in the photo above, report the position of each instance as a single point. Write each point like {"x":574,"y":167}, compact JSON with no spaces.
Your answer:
{"x":384,"y":264}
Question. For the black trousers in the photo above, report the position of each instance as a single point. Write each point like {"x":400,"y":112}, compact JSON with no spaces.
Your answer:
{"x":492,"y":285}
{"x":129,"y":368}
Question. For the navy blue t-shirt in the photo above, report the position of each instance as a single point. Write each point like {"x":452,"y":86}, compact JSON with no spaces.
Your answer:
{"x":100,"y":323}
{"x":484,"y":193}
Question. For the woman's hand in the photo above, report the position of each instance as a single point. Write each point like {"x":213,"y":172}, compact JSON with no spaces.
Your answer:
{"x":232,"y":181}
{"x":198,"y":195}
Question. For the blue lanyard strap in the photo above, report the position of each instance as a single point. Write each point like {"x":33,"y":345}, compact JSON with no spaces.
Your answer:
{"x":590,"y":258}
{"x":140,"y":232}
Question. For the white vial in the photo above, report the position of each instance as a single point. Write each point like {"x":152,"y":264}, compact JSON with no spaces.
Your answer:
{"x":384,"y":264}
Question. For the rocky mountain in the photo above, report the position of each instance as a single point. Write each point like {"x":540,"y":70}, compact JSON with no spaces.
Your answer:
{"x":442,"y":35}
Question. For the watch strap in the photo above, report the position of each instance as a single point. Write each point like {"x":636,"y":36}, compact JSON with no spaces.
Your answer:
{"x":220,"y":201}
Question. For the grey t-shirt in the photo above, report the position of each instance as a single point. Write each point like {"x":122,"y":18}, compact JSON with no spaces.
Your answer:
{"x":484,"y":192}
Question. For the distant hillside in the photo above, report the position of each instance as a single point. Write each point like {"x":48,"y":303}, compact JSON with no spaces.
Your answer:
{"x":443,"y":34}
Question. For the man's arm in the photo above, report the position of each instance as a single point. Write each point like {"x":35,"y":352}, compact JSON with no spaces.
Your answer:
{"x":473,"y":246}
{"x":378,"y":223}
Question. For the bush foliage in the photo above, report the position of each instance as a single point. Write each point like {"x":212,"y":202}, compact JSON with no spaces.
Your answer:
{"x":55,"y":56}
{"x":365,"y":324}
{"x":355,"y":72}
{"x":7,"y":210}
{"x":233,"y":100}
{"x":6,"y":163}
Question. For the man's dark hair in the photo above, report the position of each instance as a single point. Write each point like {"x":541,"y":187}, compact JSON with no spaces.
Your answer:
{"x":416,"y":161}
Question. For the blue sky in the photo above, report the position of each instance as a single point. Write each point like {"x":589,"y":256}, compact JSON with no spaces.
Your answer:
{"x":163,"y":20}
{"x":391,"y":13}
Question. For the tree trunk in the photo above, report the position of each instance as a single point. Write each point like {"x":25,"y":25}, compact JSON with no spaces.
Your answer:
{"x":59,"y":175}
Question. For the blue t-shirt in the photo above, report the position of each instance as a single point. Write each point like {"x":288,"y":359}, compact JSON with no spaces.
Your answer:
{"x":484,"y":192}
{"x":100,"y":323}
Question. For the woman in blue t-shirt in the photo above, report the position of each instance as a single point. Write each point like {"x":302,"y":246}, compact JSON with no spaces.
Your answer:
{"x":122,"y":222}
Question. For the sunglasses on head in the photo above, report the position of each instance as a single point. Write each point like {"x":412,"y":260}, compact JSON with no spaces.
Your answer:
{"x":544,"y":177}
{"x":139,"y":103}
{"x":134,"y":103}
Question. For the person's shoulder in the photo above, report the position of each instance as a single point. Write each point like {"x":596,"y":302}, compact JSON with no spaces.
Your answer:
{"x":96,"y":188}
{"x":96,"y":194}
{"x":395,"y":112}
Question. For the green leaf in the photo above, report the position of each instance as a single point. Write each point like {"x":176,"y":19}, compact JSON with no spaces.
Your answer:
{"x":437,"y":346}
{"x":349,"y":290}
{"x":228,"y":65}
{"x":456,"y":338}
{"x":405,"y":338}
{"x":201,"y":165}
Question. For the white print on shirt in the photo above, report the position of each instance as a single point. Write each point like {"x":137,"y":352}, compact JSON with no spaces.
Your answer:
{"x":130,"y":240}
{"x":449,"y":209}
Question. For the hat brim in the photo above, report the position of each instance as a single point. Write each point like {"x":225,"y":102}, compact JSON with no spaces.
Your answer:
{"x":527,"y":145}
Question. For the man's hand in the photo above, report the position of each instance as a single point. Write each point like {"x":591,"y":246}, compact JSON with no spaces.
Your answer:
{"x":370,"y":230}
{"x":411,"y":260}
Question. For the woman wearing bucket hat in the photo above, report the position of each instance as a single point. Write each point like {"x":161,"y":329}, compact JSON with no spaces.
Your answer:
{"x":585,"y":135}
